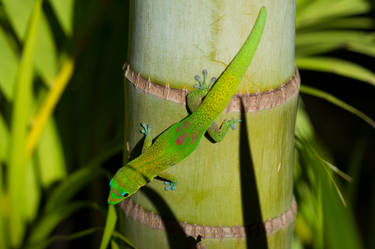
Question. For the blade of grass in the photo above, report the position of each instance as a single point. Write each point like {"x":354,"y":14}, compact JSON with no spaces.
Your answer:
{"x":333,"y":37}
{"x":64,"y":11}
{"x":47,"y":223}
{"x":332,"y":99}
{"x":346,"y":234}
{"x":362,"y":47}
{"x":50,"y":154}
{"x":8,"y":67}
{"x":123,"y":239}
{"x":32,"y":188}
{"x":19,"y":13}
{"x":3,"y":236}
{"x":45,"y":112}
{"x":109,"y":226}
{"x":79,"y":178}
{"x":114,"y":244}
{"x":337,"y":66}
{"x":73,"y":236}
{"x":319,"y":10}
{"x":4,"y":135}
{"x":17,"y":157}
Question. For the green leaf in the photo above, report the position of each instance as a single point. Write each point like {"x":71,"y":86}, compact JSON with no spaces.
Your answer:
{"x":332,"y":99}
{"x":337,"y":38}
{"x":123,"y":239}
{"x":337,"y":66}
{"x":114,"y":245}
{"x":326,"y":10}
{"x":8,"y":66}
{"x":64,"y":10}
{"x":51,"y":156}
{"x":4,"y":135}
{"x":45,"y":53}
{"x":3,"y":235}
{"x":20,"y":112}
{"x":32,"y":190}
{"x":109,"y":227}
{"x":342,"y":236}
{"x":47,"y":223}
{"x":69,"y":187}
{"x":77,"y":180}
{"x":73,"y":236}
{"x":365,"y":48}
{"x":19,"y":13}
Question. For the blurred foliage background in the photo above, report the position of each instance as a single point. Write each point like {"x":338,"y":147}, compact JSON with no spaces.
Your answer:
{"x":62,"y":123}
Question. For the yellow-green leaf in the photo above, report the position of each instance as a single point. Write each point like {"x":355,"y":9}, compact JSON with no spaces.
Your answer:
{"x":8,"y":66}
{"x":109,"y":226}
{"x":336,"y":66}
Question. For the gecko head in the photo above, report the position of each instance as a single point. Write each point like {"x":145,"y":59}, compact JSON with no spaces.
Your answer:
{"x":117,"y":193}
{"x":121,"y":187}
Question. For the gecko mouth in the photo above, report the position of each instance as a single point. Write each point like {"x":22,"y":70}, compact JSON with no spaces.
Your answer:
{"x":113,"y":198}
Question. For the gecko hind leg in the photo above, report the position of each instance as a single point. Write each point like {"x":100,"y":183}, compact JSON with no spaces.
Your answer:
{"x":146,"y":129}
{"x":218,"y":133}
{"x":195,"y":97}
{"x":170,"y":181}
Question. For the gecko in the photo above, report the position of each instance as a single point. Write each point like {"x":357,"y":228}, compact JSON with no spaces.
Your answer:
{"x":206,"y":103}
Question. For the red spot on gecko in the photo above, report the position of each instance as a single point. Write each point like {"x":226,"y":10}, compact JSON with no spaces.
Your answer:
{"x":181,"y":139}
{"x":179,"y":129}
{"x":187,"y":125}
{"x":194,"y":137}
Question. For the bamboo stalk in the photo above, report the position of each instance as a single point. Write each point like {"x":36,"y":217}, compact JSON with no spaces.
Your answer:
{"x":245,"y":179}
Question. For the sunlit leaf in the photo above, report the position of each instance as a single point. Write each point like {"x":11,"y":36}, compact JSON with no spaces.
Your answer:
{"x":45,"y":111}
{"x":45,"y":53}
{"x":362,"y":47}
{"x":332,"y":99}
{"x":8,"y":66}
{"x":32,"y":190}
{"x":64,"y":10}
{"x":4,"y":134}
{"x":19,"y":13}
{"x":336,"y":66}
{"x":3,"y":236}
{"x":319,"y":10}
{"x":50,"y":154}
{"x":20,"y":113}
{"x":109,"y":226}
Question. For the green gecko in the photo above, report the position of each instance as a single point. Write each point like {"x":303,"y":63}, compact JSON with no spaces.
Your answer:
{"x":182,"y":138}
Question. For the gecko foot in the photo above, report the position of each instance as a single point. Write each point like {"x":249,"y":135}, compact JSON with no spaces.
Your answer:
{"x":233,"y":122}
{"x":202,"y":83}
{"x":170,"y":185}
{"x":145,"y":129}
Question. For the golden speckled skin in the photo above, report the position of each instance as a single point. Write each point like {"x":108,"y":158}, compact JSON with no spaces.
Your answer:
{"x":181,"y":139}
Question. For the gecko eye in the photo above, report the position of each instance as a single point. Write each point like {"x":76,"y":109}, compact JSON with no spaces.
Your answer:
{"x":124,"y":194}
{"x":110,"y":183}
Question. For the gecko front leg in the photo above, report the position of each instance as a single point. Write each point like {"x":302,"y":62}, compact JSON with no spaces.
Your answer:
{"x":195,"y":97}
{"x":146,"y":129}
{"x":171,"y":181}
{"x":218,"y":133}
